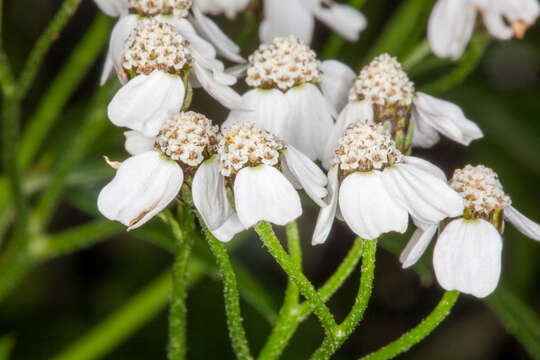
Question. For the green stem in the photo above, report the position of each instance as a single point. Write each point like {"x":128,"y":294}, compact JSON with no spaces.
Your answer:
{"x":178,"y":309}
{"x":35,"y":59}
{"x":292,"y":294}
{"x":411,"y":338}
{"x":346,"y":328}
{"x":232,"y":298}
{"x":418,"y":54}
{"x":266,"y":234}
{"x":62,"y":87}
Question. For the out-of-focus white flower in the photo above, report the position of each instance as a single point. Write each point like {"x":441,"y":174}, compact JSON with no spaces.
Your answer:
{"x":294,"y":96}
{"x":149,"y":180}
{"x":452,"y":22}
{"x":467,"y":255}
{"x":375,"y":187}
{"x":228,"y":7}
{"x":262,"y":173}
{"x":153,"y":64}
{"x":382,"y":93}
{"x":187,"y":19}
{"x":297,"y":17}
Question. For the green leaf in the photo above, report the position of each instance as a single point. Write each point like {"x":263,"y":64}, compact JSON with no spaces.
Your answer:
{"x":7,"y":342}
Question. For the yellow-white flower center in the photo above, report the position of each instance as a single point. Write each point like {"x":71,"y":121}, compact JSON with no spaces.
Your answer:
{"x":177,"y":8}
{"x":244,"y":144}
{"x":155,"y":45}
{"x":188,"y":137}
{"x":365,"y":147}
{"x":383,"y":82}
{"x":284,"y":63}
{"x":481,"y":189}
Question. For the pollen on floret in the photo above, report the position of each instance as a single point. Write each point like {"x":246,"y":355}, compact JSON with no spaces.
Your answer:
{"x":177,"y":8}
{"x":155,"y":45}
{"x":284,"y":63}
{"x":481,"y":190}
{"x":188,"y":137}
{"x":365,"y":147}
{"x":244,"y":144}
{"x":383,"y":82}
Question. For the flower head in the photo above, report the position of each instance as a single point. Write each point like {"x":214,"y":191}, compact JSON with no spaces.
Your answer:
{"x":177,"y":8}
{"x":284,"y":63}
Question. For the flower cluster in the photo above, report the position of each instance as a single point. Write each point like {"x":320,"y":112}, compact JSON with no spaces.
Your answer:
{"x":177,"y":8}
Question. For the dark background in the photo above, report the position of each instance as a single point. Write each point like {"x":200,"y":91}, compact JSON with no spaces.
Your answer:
{"x":63,"y":299}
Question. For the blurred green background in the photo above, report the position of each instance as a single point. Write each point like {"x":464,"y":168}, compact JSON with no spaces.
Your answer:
{"x":61,"y":300}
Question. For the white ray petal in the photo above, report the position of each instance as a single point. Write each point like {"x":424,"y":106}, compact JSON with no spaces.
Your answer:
{"x":467,"y":257}
{"x":426,"y":166}
{"x":417,"y":245}
{"x":424,"y":136}
{"x":447,"y":118}
{"x":113,"y":8}
{"x":262,"y":193}
{"x":525,"y":225}
{"x":225,"y":95}
{"x":343,"y":19}
{"x":283,"y":18}
{"x":229,"y":229}
{"x":368,"y":208}
{"x":119,"y":36}
{"x":327,"y":213}
{"x":143,"y":186}
{"x":137,"y":143}
{"x":337,"y":80}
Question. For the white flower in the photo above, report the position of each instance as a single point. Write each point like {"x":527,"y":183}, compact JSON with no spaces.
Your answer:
{"x":154,"y":63}
{"x":451,"y":22}
{"x":149,"y":180}
{"x":467,"y":255}
{"x":376,"y":187}
{"x":294,"y":96}
{"x":383,"y":93}
{"x":228,"y":7}
{"x":262,"y":173}
{"x":176,"y":13}
{"x":296,"y":17}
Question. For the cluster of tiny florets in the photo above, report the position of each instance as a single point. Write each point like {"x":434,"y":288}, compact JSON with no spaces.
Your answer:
{"x":188,"y":137}
{"x":177,"y":8}
{"x":284,"y":63}
{"x":244,"y":144}
{"x":383,"y":82}
{"x":481,"y":189}
{"x":155,"y":45}
{"x":366,"y":147}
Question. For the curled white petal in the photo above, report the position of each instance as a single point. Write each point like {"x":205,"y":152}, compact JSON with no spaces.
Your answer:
{"x":228,"y":7}
{"x":137,"y":143}
{"x":283,"y":18}
{"x":467,"y":257}
{"x":337,"y":80}
{"x":144,"y":103}
{"x":368,"y":208}
{"x":426,"y":166}
{"x":447,"y":118}
{"x":262,"y":193}
{"x":450,"y":27}
{"x":108,"y":67}
{"x":229,"y":229}
{"x":225,"y":95}
{"x":310,"y":120}
{"x":197,"y":44}
{"x":119,"y":36}
{"x":210,"y":195}
{"x":307,"y":173}
{"x":343,"y":19}
{"x":269,"y":110}
{"x":114,"y":8}
{"x":424,"y":136}
{"x":327,"y":213}
{"x":525,"y":225}
{"x":417,"y":245}
{"x":143,"y":186}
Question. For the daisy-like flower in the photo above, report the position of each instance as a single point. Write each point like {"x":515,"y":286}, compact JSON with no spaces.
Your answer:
{"x":178,"y":13}
{"x":374,"y":187}
{"x":467,"y":255}
{"x":262,"y":172}
{"x":294,"y":96}
{"x":451,"y":22}
{"x":297,"y":17}
{"x":149,"y":180}
{"x":382,"y":93}
{"x":228,"y":7}
{"x":154,"y":66}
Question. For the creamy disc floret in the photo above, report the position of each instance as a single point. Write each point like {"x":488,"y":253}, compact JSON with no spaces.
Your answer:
{"x":155,"y":45}
{"x":481,"y":189}
{"x":188,"y":137}
{"x":244,"y":144}
{"x":365,"y":147}
{"x":383,"y":82}
{"x":284,"y":63}
{"x":177,"y":8}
